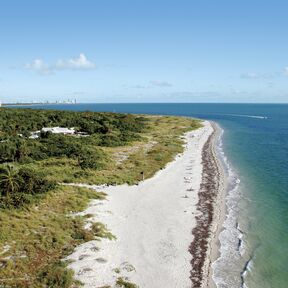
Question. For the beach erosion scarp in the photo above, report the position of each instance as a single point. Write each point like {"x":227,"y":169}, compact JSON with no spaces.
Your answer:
{"x":155,"y":224}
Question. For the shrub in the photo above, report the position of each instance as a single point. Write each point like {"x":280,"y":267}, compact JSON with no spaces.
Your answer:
{"x":57,"y":276}
{"x":20,"y":187}
{"x":33,"y":182}
{"x":124,"y":283}
{"x":91,"y":159}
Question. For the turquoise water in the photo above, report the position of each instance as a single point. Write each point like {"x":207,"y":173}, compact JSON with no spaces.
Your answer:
{"x":254,"y":242}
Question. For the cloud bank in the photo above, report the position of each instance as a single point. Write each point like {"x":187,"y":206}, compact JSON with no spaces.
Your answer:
{"x":78,"y":63}
{"x":160,"y":83}
{"x":39,"y":66}
{"x":265,"y":76}
{"x":255,"y":75}
{"x":153,"y":83}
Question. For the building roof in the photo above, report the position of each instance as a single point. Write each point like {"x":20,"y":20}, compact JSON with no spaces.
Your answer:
{"x":59,"y":130}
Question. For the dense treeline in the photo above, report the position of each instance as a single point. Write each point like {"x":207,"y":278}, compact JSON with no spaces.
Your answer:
{"x":105,"y":129}
{"x":24,"y":121}
{"x":16,"y":125}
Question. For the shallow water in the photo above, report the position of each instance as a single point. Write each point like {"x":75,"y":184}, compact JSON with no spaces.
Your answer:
{"x":254,"y":243}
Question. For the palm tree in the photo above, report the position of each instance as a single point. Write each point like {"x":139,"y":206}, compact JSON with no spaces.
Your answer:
{"x":9,"y":179}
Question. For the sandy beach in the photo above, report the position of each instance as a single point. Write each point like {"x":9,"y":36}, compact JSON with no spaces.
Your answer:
{"x":158,"y":224}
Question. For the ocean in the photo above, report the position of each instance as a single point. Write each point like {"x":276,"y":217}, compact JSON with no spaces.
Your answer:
{"x":254,"y":150}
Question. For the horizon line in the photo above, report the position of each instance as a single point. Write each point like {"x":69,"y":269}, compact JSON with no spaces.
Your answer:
{"x":105,"y":103}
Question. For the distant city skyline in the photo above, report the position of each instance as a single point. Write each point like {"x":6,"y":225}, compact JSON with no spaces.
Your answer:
{"x":144,"y":51}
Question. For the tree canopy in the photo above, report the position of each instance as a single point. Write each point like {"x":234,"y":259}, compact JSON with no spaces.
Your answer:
{"x":18,"y":183}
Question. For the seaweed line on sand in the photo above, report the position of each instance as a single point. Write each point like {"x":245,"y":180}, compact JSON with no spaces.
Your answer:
{"x":207,"y":194}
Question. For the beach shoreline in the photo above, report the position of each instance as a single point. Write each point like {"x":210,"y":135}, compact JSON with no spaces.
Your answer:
{"x":160,"y":234}
{"x":211,"y":208}
{"x":219,"y":213}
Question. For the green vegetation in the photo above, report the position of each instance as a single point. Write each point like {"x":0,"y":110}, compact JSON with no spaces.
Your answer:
{"x":37,"y":227}
{"x":124,"y":283}
{"x":39,"y":236}
{"x":104,"y":129}
{"x":158,"y":143}
{"x":21,"y":186}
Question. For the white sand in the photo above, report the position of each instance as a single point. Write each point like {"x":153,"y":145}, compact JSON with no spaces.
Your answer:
{"x":152,"y":222}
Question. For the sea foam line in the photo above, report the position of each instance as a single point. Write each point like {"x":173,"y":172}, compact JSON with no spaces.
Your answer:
{"x":231,"y":237}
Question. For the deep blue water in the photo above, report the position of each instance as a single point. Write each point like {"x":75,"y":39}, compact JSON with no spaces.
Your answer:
{"x":257,"y":150}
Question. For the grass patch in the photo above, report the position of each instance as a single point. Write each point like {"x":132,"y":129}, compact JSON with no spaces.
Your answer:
{"x":40,"y":235}
{"x":99,"y":230}
{"x":121,"y":282}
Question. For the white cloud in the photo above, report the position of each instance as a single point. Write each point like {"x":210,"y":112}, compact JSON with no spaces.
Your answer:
{"x":286,"y":71}
{"x":250,"y":75}
{"x":78,"y":63}
{"x":153,"y":83}
{"x":160,"y":83}
{"x":138,"y":86}
{"x":39,"y":66}
{"x":261,"y":76}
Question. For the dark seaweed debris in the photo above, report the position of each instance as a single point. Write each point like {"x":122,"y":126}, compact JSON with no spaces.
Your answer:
{"x":207,"y":193}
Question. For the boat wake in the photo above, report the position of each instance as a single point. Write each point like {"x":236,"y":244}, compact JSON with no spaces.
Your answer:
{"x":247,"y":116}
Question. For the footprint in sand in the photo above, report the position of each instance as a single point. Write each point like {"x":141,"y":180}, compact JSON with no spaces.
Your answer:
{"x":84,"y":271}
{"x":81,"y":257}
{"x":95,"y":249}
{"x":127,"y":267}
{"x":101,"y":260}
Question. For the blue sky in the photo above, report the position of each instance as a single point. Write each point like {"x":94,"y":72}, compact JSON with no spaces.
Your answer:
{"x":144,"y":51}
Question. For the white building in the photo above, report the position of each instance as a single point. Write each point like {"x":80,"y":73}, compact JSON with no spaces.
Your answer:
{"x":59,"y":130}
{"x":54,"y":130}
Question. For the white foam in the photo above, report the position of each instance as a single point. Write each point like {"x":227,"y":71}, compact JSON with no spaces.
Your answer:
{"x":247,"y":116}
{"x":227,"y":268}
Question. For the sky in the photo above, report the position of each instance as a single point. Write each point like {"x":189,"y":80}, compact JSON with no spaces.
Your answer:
{"x":144,"y":51}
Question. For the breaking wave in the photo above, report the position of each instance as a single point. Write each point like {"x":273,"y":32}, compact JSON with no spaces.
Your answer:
{"x":230,"y":268}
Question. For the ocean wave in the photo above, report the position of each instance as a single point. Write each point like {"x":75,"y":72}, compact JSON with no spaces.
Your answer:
{"x":228,"y":268}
